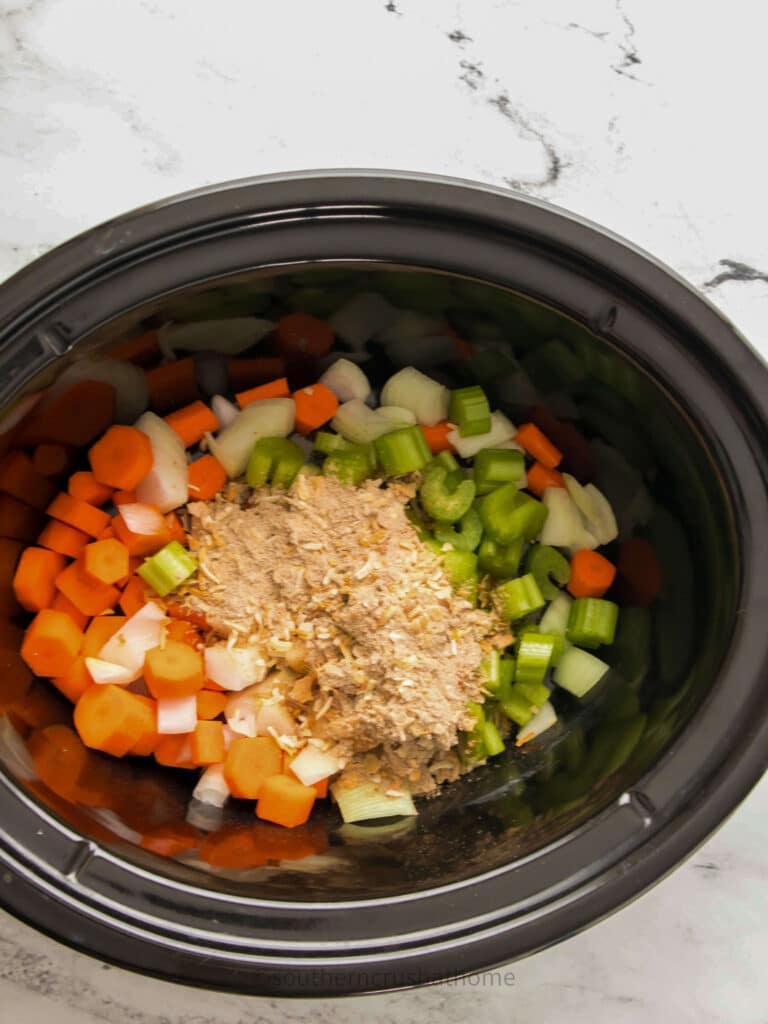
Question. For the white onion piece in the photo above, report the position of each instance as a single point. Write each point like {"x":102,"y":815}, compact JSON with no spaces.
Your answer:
{"x":107,"y":672}
{"x":346,"y":381}
{"x":229,"y":337}
{"x":603,"y":525}
{"x":135,"y":637}
{"x":242,"y":712}
{"x":563,"y":526}
{"x":270,"y":417}
{"x":397,"y":414}
{"x":412,"y":389}
{"x":544,"y":719}
{"x":356,"y":422}
{"x":277,"y":718}
{"x":502,"y":429}
{"x":129,"y":382}
{"x":212,"y":787}
{"x":144,"y":519}
{"x":176,"y":715}
{"x":167,"y":483}
{"x":13,"y":751}
{"x":224,"y":410}
{"x":312,"y":765}
{"x":363,"y":317}
{"x":234,"y":668}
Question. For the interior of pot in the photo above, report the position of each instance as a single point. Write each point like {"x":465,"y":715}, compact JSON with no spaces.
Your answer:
{"x":627,"y":433}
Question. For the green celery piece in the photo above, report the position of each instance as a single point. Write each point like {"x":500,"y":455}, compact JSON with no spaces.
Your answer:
{"x":508,"y":513}
{"x":536,"y":693}
{"x":493,"y":467}
{"x":498,"y":561}
{"x":350,"y":467}
{"x":519,"y":597}
{"x":326,"y":442}
{"x":168,"y":568}
{"x":534,"y":657}
{"x":547,"y":564}
{"x":592,"y":622}
{"x":441,"y":503}
{"x":275,"y":460}
{"x":518,"y":708}
{"x":446,"y":459}
{"x":464,"y":535}
{"x":402,"y":451}
{"x":492,"y":740}
{"x":461,"y":566}
{"x":470,"y":411}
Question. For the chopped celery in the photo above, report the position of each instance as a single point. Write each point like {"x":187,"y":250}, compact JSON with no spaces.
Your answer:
{"x":167,"y":568}
{"x":499,"y":561}
{"x":464,"y":535}
{"x":578,"y":671}
{"x":275,"y":460}
{"x":592,"y":621}
{"x":351,"y":467}
{"x":507,"y":513}
{"x":536,"y":693}
{"x":492,"y":740}
{"x":534,"y":656}
{"x":546,"y":564}
{"x":402,"y":451}
{"x":496,"y":466}
{"x":518,"y":708}
{"x":367,"y":801}
{"x":445,"y":459}
{"x":518,"y":598}
{"x":442,"y":502}
{"x":470,"y":411}
{"x":490,"y":670}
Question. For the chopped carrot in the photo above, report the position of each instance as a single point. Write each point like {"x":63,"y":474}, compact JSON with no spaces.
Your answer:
{"x":75,"y":681}
{"x":143,"y":351}
{"x":10,"y":552}
{"x":15,"y":678}
{"x":207,"y":477}
{"x":124,"y":498}
{"x":140,"y":544}
{"x":301,"y":334}
{"x":60,"y":759}
{"x":210,"y":705}
{"x":148,"y":737}
{"x":61,"y":603}
{"x":51,"y":643}
{"x":17,"y":520}
{"x":285,"y":801}
{"x":121,"y":458}
{"x":274,"y":389}
{"x":640,"y":573}
{"x":112,"y":719}
{"x":86,"y":487}
{"x":174,"y":751}
{"x":213,"y":687}
{"x":192,"y":422}
{"x":321,"y":788}
{"x":577,"y":455}
{"x":79,"y":514}
{"x":537,"y":444}
{"x":183,"y":632}
{"x":208,"y":743}
{"x":437,"y":437}
{"x":35,"y":580}
{"x":84,"y":592}
{"x":75,"y":417}
{"x":20,"y":479}
{"x":175,"y":670}
{"x":105,"y":561}
{"x":101,"y":629}
{"x":540,"y":478}
{"x":41,"y":706}
{"x":170,"y":840}
{"x":249,"y":762}
{"x":51,"y":459}
{"x":591,"y":574}
{"x":315,"y":405}
{"x":62,"y":538}
{"x":247,"y":373}
{"x":175,"y":530}
{"x":135,"y":595}
{"x":180,"y":611}
{"x":172,"y":384}
{"x":107,"y":533}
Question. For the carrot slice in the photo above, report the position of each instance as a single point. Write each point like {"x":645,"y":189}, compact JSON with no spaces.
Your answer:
{"x":51,"y":459}
{"x":540,"y":478}
{"x":537,"y":444}
{"x":135,"y":595}
{"x":577,"y":456}
{"x":124,"y":498}
{"x":101,"y":629}
{"x":208,"y":743}
{"x":17,"y":520}
{"x":75,"y":681}
{"x":285,"y":801}
{"x":302,"y":334}
{"x":640,"y":573}
{"x":112,"y":719}
{"x":121,"y":458}
{"x":175,"y":670}
{"x":148,"y":738}
{"x":274,"y":389}
{"x":79,"y":514}
{"x":35,"y":580}
{"x":192,"y":422}
{"x":61,"y":603}
{"x":174,"y":751}
{"x":591,"y":574}
{"x":175,"y":530}
{"x":20,"y":479}
{"x":90,"y":597}
{"x":75,"y":417}
{"x":86,"y":487}
{"x":321,"y":788}
{"x":207,"y":477}
{"x":106,"y":561}
{"x":315,"y":405}
{"x":437,"y":437}
{"x":210,"y":705}
{"x":62,"y":538}
{"x":140,"y":544}
{"x":247,"y":373}
{"x":172,"y":384}
{"x":51,"y":643}
{"x":249,"y":762}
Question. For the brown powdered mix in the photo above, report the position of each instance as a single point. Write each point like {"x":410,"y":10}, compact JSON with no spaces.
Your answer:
{"x":335,"y":582}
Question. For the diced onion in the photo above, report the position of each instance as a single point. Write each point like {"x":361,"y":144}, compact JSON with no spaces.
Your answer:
{"x":229,"y":337}
{"x":502,"y":429}
{"x":211,"y":787}
{"x":363,"y":317}
{"x":224,"y":410}
{"x":167,"y":483}
{"x":107,"y":672}
{"x":234,"y":668}
{"x":275,"y":718}
{"x":176,"y":715}
{"x":312,"y":765}
{"x":412,"y":389}
{"x":603,"y":524}
{"x":397,"y":414}
{"x":346,"y":381}
{"x":242,"y":712}
{"x":563,"y":526}
{"x":356,"y":422}
{"x":135,"y":637}
{"x":367,"y":801}
{"x":270,"y":417}
{"x":544,"y":719}
{"x":146,"y":520}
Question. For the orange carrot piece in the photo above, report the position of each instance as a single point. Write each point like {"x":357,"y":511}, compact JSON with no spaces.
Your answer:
{"x":247,"y":373}
{"x":172,"y":384}
{"x":75,"y":417}
{"x":175,"y":670}
{"x":15,"y":678}
{"x":139,"y":544}
{"x":35,"y":580}
{"x":112,"y":719}
{"x":90,"y":597}
{"x":62,"y":538}
{"x":20,"y":479}
{"x":124,"y":498}
{"x":61,"y":603}
{"x":180,"y":611}
{"x":135,"y":595}
{"x":51,"y":459}
{"x":148,"y":737}
{"x":121,"y":458}
{"x":84,"y":486}
{"x":174,"y":751}
{"x":105,"y":561}
{"x":285,"y":801}
{"x":437,"y":437}
{"x":249,"y":762}
{"x":75,"y":681}
{"x":206,"y":477}
{"x":79,"y":514}
{"x":640,"y":573}
{"x":591,"y":574}
{"x":299,"y":334}
{"x":175,"y":530}
{"x":540,"y":478}
{"x":537,"y":444}
{"x":210,"y":705}
{"x":192,"y":422}
{"x":41,"y":706}
{"x":17,"y":520}
{"x":208,"y":743}
{"x":184,"y":633}
{"x":213,"y":687}
{"x":143,"y":351}
{"x":274,"y":389}
{"x":170,"y":840}
{"x":315,"y":405}
{"x":321,"y":788}
{"x":51,"y":643}
{"x":101,"y":629}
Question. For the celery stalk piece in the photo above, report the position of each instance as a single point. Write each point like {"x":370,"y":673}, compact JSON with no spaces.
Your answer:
{"x":168,"y":568}
{"x":366,"y":802}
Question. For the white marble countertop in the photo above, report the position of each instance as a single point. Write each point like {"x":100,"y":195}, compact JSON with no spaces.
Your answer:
{"x":642,"y":116}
